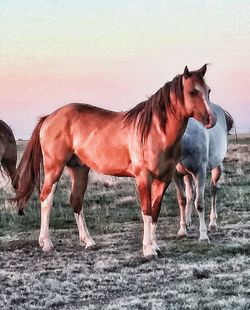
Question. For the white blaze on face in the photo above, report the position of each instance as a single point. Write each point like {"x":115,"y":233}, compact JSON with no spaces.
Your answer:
{"x":205,"y":96}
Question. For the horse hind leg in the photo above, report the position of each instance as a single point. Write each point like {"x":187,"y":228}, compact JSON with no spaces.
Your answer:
{"x":189,"y":196}
{"x":79,"y":177}
{"x":51,"y":177}
{"x":178,"y":180}
{"x":215,"y":176}
{"x":46,"y":205}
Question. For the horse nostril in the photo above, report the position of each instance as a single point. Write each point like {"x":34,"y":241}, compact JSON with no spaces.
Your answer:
{"x":211,"y":120}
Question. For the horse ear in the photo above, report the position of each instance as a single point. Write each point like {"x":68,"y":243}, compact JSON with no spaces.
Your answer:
{"x":186,"y":73}
{"x":202,"y":70}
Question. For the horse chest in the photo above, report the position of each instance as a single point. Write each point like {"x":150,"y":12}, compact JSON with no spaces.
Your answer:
{"x":163,"y":164}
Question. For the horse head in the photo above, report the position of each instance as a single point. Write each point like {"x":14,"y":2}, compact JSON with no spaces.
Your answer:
{"x":196,"y":97}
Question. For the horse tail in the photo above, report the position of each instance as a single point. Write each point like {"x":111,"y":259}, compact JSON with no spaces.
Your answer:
{"x":28,"y":172}
{"x":229,"y":120}
{"x":9,"y":156}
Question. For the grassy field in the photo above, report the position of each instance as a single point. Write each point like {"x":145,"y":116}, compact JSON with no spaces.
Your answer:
{"x":188,"y":275}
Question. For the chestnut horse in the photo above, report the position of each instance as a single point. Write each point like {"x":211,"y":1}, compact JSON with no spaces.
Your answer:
{"x":143,"y":143}
{"x":8,"y":151}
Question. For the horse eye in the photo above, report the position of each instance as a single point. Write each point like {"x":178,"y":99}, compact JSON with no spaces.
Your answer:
{"x":193,"y":92}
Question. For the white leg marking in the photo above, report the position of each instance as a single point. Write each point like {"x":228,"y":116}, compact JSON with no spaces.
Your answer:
{"x":153,"y":237}
{"x":182,"y":231}
{"x":189,"y":195}
{"x":148,"y":249}
{"x":213,"y":217}
{"x":213,"y":214}
{"x":199,"y":204}
{"x":213,"y":223}
{"x":188,"y":214}
{"x":44,"y":237}
{"x":84,"y":234}
{"x":203,"y":228}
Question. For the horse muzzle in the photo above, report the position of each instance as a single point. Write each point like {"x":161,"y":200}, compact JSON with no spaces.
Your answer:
{"x":210,"y":121}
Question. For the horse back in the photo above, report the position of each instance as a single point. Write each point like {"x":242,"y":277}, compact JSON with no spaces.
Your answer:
{"x":95,"y":135}
{"x":218,"y":139}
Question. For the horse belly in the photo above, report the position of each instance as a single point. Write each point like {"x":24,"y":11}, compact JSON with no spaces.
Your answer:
{"x":217,"y":148}
{"x":105,"y":156}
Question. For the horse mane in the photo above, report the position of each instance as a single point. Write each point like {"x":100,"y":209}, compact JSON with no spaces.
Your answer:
{"x":157,"y":105}
{"x":229,"y":120}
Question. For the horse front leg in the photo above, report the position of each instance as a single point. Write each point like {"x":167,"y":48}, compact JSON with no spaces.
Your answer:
{"x":216,"y":173}
{"x":189,"y":195}
{"x":144,"y":183}
{"x":200,"y":180}
{"x":158,"y":190}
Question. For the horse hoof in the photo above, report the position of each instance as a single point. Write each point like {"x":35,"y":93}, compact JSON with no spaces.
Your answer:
{"x":92,"y":247}
{"x":181,"y":236}
{"x":149,"y":251}
{"x":182,"y":233}
{"x":150,"y":258}
{"x":48,"y":249}
{"x":213,"y":228}
{"x":204,"y":240}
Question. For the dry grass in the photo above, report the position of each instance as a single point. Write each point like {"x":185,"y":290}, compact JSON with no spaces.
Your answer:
{"x":189,"y":275}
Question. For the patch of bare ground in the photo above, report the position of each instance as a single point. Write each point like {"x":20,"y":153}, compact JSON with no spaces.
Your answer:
{"x":187,"y":275}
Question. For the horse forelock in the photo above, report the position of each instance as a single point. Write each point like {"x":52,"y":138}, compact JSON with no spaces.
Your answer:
{"x":157,"y":105}
{"x":198,"y":78}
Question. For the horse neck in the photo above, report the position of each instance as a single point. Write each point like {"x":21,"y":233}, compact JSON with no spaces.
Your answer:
{"x":174,"y":129}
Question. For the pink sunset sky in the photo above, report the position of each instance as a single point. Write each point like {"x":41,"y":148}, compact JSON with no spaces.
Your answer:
{"x":115,"y":54}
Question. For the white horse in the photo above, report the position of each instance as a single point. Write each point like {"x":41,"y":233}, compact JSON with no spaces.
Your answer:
{"x":202,"y":150}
